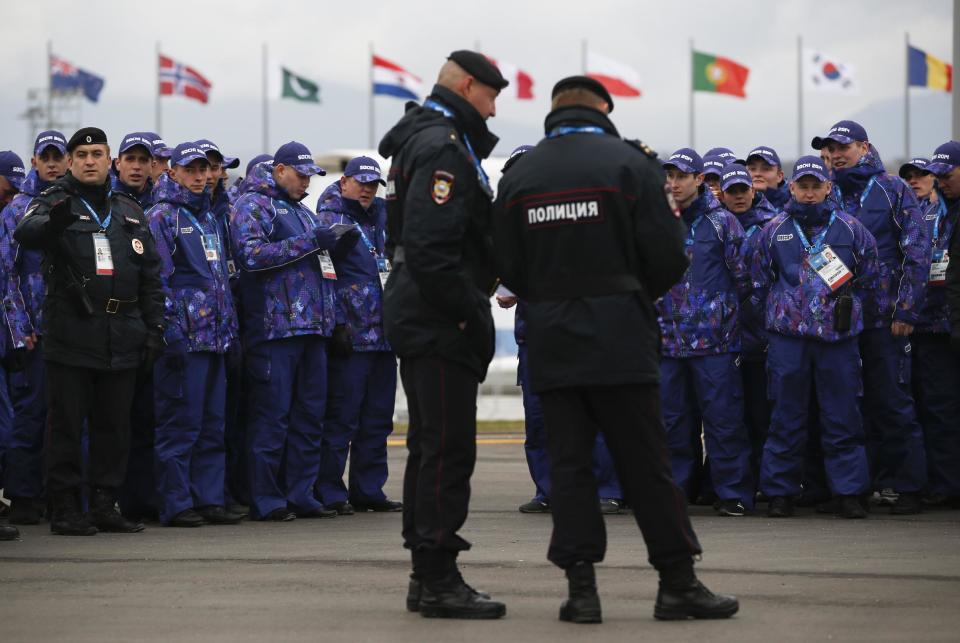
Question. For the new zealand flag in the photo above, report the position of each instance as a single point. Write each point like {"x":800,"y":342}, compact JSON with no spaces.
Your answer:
{"x":66,"y":78}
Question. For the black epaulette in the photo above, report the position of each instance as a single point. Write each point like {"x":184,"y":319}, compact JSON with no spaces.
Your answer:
{"x":51,"y":189}
{"x":643,"y":147}
{"x":128,"y":198}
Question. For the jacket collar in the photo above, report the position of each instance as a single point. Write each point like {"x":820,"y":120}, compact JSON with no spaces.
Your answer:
{"x":467,"y":120}
{"x":578,"y":115}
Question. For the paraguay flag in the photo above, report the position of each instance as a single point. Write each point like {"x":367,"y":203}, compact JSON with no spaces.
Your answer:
{"x":927,"y":71}
{"x":390,"y":79}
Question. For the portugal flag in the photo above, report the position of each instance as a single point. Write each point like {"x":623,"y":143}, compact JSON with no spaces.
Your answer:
{"x":719,"y":75}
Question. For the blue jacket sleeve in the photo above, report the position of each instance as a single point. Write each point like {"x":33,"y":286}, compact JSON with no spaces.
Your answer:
{"x":250,"y":232}
{"x":14,"y":307}
{"x":915,"y":248}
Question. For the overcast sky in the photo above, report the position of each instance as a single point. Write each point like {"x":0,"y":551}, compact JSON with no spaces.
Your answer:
{"x":329,"y":42}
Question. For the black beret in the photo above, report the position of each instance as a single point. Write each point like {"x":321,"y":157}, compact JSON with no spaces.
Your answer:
{"x":86,"y":136}
{"x":480,"y":67}
{"x":584,"y":82}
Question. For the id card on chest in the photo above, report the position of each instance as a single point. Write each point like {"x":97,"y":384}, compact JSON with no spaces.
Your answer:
{"x":326,"y":265}
{"x":830,"y":268}
{"x":939,"y":261}
{"x":102,"y":254}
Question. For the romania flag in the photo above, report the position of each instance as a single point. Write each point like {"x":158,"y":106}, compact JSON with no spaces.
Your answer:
{"x":718,"y":74}
{"x":930,"y":72}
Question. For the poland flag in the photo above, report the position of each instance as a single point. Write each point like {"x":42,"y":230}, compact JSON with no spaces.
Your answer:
{"x":521,"y":84}
{"x":619,"y":79}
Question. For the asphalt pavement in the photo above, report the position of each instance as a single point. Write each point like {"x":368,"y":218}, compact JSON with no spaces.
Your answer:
{"x":811,"y":578}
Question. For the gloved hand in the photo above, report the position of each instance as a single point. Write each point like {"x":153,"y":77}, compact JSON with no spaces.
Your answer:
{"x":61,"y":214}
{"x":175,"y":355}
{"x":16,"y":360}
{"x":326,"y":238}
{"x":151,"y":349}
{"x":341,"y":343}
{"x":346,"y":242}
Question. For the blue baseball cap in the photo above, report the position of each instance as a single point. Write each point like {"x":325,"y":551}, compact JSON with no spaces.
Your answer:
{"x":187,"y":153}
{"x":810,"y":166}
{"x":158,"y":148}
{"x":713,"y":164}
{"x":364,"y":169}
{"x":945,"y":158}
{"x":842,"y":132}
{"x":48,"y":138}
{"x":257,"y":160}
{"x":733,"y":174}
{"x":209,"y":146}
{"x":765,"y":153}
{"x":686,"y":160}
{"x":142,"y":139}
{"x":297,"y":156}
{"x":723,"y":152}
{"x":12,"y":168}
{"x":916,"y":163}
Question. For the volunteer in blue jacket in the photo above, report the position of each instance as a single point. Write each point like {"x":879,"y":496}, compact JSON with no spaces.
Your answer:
{"x":130,"y":173}
{"x":813,"y":267}
{"x":923,"y":182}
{"x":753,"y":211}
{"x":936,"y":367}
{"x":287,"y":302}
{"x":764,"y":166}
{"x":889,"y":210}
{"x":701,"y":383}
{"x":23,"y":293}
{"x":201,"y":325}
{"x":362,"y":368}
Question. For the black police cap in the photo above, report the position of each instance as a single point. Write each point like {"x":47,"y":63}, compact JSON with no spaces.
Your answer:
{"x":86,"y":136}
{"x":583,"y":82}
{"x":480,"y":67}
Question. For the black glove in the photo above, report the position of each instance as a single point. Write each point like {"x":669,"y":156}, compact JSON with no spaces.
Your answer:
{"x":151,"y":349}
{"x":16,"y":360}
{"x":61,"y":214}
{"x":341,"y":344}
{"x":346,"y":242}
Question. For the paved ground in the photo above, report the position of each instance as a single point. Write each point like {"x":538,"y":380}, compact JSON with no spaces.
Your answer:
{"x":810,"y":578}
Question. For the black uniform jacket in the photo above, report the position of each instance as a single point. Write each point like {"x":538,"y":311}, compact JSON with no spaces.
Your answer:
{"x":125,"y":304}
{"x":438,"y":234}
{"x":584,"y":232}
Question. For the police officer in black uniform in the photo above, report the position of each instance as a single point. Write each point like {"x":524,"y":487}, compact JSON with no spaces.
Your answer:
{"x":102,"y":319}
{"x":585,"y":233}
{"x":438,"y":319}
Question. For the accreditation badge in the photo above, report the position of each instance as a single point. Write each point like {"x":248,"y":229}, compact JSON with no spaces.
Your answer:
{"x":211,"y":247}
{"x":326,"y":265}
{"x":102,"y":254}
{"x":938,"y":267}
{"x":830,"y":268}
{"x":383,"y":267}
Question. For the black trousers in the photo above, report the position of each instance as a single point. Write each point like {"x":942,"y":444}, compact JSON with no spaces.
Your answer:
{"x":102,"y":399}
{"x":629,"y":417}
{"x":138,"y":496}
{"x":442,"y":446}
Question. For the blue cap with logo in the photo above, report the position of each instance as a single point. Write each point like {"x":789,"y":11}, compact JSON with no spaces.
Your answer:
{"x":297,"y":156}
{"x":686,"y":160}
{"x":364,"y":169}
{"x":713,"y":164}
{"x":158,"y":148}
{"x":916,"y":163}
{"x":724,"y":153}
{"x":12,"y":168}
{"x":257,"y":160}
{"x":842,"y":132}
{"x":945,"y":158}
{"x":733,"y":174}
{"x":810,"y":166}
{"x":765,"y":153}
{"x":142,"y":139}
{"x":187,"y":153}
{"x":209,"y":146}
{"x":50,"y":138}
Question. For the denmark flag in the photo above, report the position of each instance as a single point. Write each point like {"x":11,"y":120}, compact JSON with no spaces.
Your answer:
{"x":619,"y":79}
{"x":521,"y":84}
{"x":179,"y":79}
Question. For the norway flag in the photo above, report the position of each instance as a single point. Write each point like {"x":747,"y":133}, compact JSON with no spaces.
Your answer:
{"x":521,"y":84}
{"x":179,"y":79}
{"x":390,"y":79}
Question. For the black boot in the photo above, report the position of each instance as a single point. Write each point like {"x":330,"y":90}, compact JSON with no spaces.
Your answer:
{"x":444,"y":594}
{"x":583,"y":605}
{"x":67,"y":519}
{"x":415,"y":590}
{"x":24,"y":511}
{"x":104,"y":514}
{"x":9,"y":532}
{"x":682,"y":596}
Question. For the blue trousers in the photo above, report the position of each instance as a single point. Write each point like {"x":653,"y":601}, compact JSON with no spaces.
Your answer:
{"x":23,"y":477}
{"x":535,"y":444}
{"x":705,"y":394}
{"x":936,"y":385}
{"x":797,"y":365}
{"x":899,"y":459}
{"x":361,"y":394}
{"x":286,"y":404}
{"x":189,"y":451}
{"x":6,"y":421}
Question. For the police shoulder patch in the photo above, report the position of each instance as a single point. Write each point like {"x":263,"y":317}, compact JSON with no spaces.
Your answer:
{"x":441,"y":187}
{"x":643,"y":147}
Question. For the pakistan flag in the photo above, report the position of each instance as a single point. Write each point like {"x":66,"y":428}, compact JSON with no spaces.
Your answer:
{"x":299,"y":88}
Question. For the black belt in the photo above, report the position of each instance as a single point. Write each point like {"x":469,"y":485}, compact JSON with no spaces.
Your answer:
{"x":114,"y":306}
{"x":595,"y":286}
